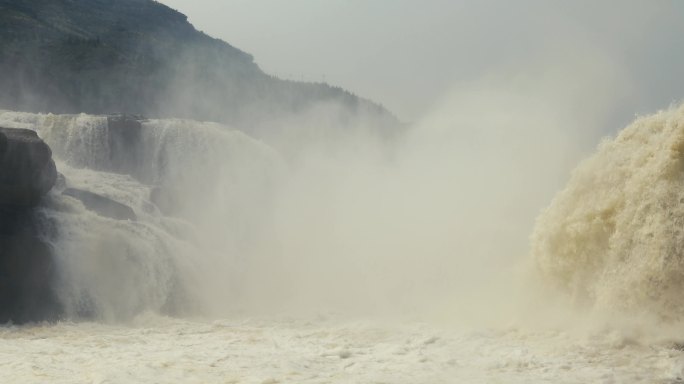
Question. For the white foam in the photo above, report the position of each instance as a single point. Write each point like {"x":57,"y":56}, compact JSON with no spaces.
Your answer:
{"x":613,"y":239}
{"x":310,"y":350}
{"x":118,"y":268}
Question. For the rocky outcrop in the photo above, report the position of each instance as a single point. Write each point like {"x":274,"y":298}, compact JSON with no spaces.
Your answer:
{"x":27,"y":269}
{"x":27,"y":169}
{"x":103,"y":206}
{"x":27,"y":173}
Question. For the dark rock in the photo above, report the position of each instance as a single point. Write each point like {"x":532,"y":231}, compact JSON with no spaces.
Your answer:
{"x":27,"y":171}
{"x":104,"y":206}
{"x":3,"y":143}
{"x":27,"y":270}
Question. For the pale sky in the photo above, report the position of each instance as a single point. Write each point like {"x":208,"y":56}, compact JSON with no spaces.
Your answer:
{"x":407,"y":54}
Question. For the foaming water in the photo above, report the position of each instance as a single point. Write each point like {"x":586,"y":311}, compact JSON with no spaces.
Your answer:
{"x":223,"y":223}
{"x":613,"y":239}
{"x":215,"y":180}
{"x":153,"y":348}
{"x":223,"y":226}
{"x":221,"y":218}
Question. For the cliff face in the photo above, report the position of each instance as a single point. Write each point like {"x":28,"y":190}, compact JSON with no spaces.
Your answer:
{"x":27,"y":173}
{"x":141,"y":57}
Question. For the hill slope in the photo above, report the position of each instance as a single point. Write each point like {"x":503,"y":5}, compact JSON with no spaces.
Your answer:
{"x":142,"y":57}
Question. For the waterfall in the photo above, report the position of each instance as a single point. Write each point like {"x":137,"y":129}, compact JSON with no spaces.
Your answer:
{"x":201,"y":194}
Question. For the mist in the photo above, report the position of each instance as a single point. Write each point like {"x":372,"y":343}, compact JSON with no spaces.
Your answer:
{"x":408,"y":55}
{"x":475,"y":204}
{"x":288,"y":196}
{"x":321,"y":209}
{"x":431,"y":220}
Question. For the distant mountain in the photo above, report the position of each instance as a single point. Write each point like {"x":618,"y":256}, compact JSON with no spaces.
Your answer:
{"x":142,"y":57}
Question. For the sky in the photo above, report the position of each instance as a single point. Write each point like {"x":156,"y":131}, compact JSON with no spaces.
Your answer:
{"x":409,"y":54}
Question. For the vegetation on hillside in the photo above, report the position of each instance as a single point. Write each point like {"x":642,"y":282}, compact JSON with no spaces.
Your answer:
{"x":142,"y":57}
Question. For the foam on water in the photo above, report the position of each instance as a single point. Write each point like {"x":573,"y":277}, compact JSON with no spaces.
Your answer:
{"x":153,"y":348}
{"x":613,"y":239}
{"x":159,"y":262}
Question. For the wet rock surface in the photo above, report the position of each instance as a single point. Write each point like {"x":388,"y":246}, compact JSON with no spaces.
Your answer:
{"x":102,"y":205}
{"x":27,"y":171}
{"x":27,"y":270}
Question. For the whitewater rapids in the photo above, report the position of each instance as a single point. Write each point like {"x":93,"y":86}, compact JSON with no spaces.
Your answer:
{"x":613,"y":239}
{"x":319,"y":350}
{"x":166,"y":298}
{"x":114,"y":269}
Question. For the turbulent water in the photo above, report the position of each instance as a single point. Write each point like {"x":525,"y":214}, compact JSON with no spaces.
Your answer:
{"x":614,"y":238}
{"x":115,"y":268}
{"x":166,"y":297}
{"x":256,"y":351}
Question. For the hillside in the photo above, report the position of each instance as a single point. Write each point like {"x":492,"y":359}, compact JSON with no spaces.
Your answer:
{"x":142,"y":57}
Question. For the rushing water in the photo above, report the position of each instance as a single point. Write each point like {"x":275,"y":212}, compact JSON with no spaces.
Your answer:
{"x":614,"y":237}
{"x":187,"y":292}
{"x":116,"y":268}
{"x":165,"y":350}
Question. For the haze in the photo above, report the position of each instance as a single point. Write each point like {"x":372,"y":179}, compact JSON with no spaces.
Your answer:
{"x":407,"y":54}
